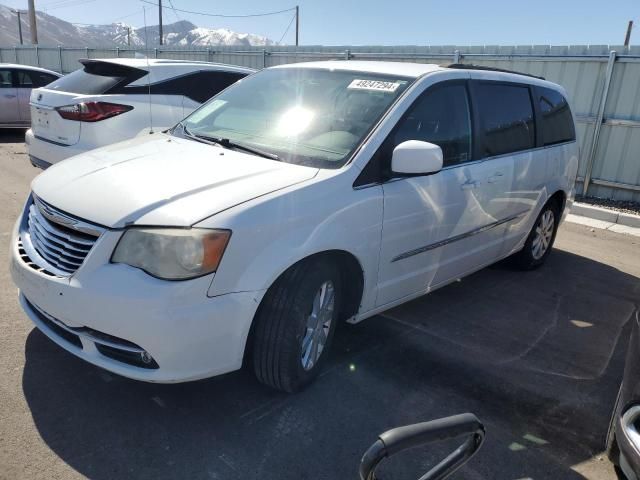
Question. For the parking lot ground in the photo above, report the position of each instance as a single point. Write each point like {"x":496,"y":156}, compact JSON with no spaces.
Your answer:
{"x":538,"y":356}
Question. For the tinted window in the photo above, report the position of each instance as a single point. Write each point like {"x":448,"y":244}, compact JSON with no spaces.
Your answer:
{"x":97,"y":78}
{"x":33,"y":79}
{"x":198,"y":86}
{"x":5,"y":79}
{"x":440,"y":116}
{"x":506,"y":118}
{"x":557,"y":122}
{"x":204,"y":85}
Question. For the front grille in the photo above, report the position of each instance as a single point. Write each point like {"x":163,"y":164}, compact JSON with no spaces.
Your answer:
{"x":63,"y":248}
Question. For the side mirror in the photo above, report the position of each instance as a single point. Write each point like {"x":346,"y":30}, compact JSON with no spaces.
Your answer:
{"x":415,"y":157}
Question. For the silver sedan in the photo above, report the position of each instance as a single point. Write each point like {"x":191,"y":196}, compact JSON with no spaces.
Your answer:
{"x":16,"y":82}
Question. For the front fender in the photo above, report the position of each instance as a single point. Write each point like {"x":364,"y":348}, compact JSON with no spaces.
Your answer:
{"x":274,"y":232}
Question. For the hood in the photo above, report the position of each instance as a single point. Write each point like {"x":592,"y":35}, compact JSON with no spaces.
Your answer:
{"x":161,"y":180}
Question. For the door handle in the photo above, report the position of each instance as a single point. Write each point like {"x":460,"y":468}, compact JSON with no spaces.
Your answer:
{"x":8,"y":95}
{"x":495,"y":177}
{"x":469,"y":184}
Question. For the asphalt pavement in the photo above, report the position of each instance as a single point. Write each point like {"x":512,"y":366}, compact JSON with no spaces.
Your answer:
{"x":537,"y":356}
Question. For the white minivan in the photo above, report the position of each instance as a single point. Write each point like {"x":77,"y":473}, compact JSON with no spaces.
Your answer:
{"x":302,"y":196}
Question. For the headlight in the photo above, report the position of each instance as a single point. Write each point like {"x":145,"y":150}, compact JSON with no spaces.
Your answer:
{"x":172,"y":254}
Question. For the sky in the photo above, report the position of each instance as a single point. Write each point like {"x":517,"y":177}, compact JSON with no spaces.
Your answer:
{"x":383,"y":22}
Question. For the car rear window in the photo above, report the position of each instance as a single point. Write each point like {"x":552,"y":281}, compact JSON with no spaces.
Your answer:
{"x":97,"y":78}
{"x":557,"y":121}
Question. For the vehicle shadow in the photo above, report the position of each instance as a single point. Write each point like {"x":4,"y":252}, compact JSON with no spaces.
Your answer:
{"x":537,"y":356}
{"x":12,"y":135}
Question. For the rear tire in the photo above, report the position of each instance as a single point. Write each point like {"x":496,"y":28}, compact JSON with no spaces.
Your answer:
{"x":540,"y":240}
{"x":295,"y":325}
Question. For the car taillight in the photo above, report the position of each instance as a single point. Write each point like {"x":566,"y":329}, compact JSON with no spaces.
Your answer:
{"x":92,"y":111}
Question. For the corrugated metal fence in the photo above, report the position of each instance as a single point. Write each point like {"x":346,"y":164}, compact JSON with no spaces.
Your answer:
{"x":603,"y":84}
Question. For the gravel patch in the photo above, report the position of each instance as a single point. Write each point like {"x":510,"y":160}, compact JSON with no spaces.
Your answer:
{"x":622,"y":206}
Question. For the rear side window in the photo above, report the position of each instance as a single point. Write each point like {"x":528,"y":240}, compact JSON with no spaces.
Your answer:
{"x":198,"y":86}
{"x":97,"y":78}
{"x":204,"y":85}
{"x":33,"y":79}
{"x":441,"y":116}
{"x":506,"y":118}
{"x":557,"y":122}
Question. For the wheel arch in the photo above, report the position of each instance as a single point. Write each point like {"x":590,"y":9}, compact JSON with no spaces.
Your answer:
{"x":559,"y":198}
{"x":353,"y":282}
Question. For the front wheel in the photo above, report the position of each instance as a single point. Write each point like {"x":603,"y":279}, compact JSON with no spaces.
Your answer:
{"x":295,"y":325}
{"x":540,"y":240}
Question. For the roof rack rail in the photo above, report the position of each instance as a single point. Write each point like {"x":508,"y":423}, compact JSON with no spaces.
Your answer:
{"x":469,"y":66}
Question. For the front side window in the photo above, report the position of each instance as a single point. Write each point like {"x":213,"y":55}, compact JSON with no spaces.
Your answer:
{"x":441,"y":116}
{"x":305,"y":116}
{"x":506,"y":118}
{"x":6,"y":79}
{"x":557,"y":122}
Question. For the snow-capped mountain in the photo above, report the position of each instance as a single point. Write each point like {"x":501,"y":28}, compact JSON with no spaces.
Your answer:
{"x":53,"y":31}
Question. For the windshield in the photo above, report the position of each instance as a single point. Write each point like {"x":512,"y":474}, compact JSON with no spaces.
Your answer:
{"x":307,"y":116}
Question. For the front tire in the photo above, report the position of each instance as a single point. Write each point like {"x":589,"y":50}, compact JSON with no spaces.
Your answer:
{"x":295,"y":325}
{"x":540,"y":240}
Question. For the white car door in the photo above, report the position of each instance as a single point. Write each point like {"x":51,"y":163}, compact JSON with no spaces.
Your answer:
{"x":435,"y":227}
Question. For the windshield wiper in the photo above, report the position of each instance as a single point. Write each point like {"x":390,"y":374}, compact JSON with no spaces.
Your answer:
{"x":226,"y":143}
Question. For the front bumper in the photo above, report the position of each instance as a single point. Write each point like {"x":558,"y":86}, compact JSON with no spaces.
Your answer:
{"x":189,"y":335}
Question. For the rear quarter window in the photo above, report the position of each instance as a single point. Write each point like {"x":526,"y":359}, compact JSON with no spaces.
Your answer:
{"x":556,"y":119}
{"x":506,"y":118}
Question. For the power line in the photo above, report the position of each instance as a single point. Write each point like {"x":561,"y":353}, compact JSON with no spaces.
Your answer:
{"x":220,"y":15}
{"x":288,"y":27}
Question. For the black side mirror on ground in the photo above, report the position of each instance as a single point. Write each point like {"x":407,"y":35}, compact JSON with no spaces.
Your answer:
{"x":402,"y":438}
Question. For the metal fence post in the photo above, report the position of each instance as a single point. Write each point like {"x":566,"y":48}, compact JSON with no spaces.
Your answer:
{"x":264,"y":58}
{"x":15,"y":53}
{"x":60,"y":57}
{"x":347,"y":54}
{"x":155,"y":53}
{"x":86,"y":51}
{"x":456,"y":56}
{"x":117,"y":52}
{"x":599,"y":120}
{"x":209,"y":55}
{"x":37,"y":56}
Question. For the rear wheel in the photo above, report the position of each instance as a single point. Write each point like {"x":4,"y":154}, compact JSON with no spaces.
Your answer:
{"x":295,"y":325}
{"x":540,"y":240}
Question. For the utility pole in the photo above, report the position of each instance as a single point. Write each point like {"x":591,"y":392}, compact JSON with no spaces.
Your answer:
{"x":627,"y":37}
{"x":297,"y":24}
{"x":18,"y":12}
{"x":32,"y":23}
{"x":160,"y":18}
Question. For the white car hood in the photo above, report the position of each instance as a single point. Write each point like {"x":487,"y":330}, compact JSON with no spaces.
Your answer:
{"x":161,"y":180}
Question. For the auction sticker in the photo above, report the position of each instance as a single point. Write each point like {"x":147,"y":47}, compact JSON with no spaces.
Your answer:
{"x":376,"y":85}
